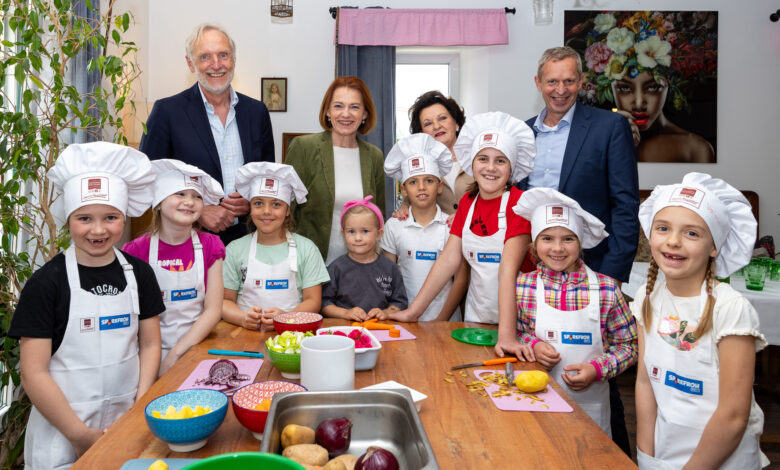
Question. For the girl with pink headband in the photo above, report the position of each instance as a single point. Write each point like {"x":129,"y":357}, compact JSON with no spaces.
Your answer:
{"x":362,"y":285}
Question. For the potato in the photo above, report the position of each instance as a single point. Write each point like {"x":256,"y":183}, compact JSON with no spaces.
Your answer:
{"x":334,"y":464}
{"x":293,"y":434}
{"x":311,"y":467}
{"x":348,"y":460}
{"x":310,"y":454}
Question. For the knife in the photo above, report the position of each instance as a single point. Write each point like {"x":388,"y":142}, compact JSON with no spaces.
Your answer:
{"x":222,"y":352}
{"x":489,"y":362}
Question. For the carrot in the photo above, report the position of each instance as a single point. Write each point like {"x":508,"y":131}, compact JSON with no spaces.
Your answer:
{"x":377,"y":326}
{"x":395,"y":333}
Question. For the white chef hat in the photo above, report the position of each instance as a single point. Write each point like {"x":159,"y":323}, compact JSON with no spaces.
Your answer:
{"x":418,"y":154}
{"x":266,"y":179}
{"x":502,"y":132}
{"x":174,"y":176}
{"x":546,"y":207}
{"x":103,"y":173}
{"x":724,"y":209}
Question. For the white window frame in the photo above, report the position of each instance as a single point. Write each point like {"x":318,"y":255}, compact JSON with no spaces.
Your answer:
{"x":416,"y":55}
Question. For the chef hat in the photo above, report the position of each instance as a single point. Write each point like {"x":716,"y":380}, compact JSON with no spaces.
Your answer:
{"x":502,"y":132}
{"x":174,"y":176}
{"x":103,"y":173}
{"x":418,"y":154}
{"x":546,"y":207}
{"x":724,"y":209}
{"x":266,"y":179}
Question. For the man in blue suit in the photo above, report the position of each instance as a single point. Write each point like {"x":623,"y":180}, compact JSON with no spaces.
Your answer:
{"x":212,"y":127}
{"x":589,"y":155}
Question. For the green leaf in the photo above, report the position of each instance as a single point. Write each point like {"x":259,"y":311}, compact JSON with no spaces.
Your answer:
{"x":115,"y":36}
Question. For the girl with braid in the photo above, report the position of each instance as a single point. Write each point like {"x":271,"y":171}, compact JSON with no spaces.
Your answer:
{"x":698,"y":338}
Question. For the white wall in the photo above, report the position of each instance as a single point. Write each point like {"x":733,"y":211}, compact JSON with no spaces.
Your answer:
{"x":502,"y":76}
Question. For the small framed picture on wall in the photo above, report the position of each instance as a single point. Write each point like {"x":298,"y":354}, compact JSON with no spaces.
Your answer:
{"x":274,"y":92}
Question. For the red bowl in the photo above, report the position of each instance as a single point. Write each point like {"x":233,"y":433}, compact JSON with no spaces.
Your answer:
{"x":297,"y":321}
{"x":247,"y":397}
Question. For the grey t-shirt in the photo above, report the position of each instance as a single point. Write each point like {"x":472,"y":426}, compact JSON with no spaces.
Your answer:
{"x":378,"y":284}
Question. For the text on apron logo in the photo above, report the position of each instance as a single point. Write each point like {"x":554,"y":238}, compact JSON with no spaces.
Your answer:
{"x":87,"y":324}
{"x":573,"y":337}
{"x":551,"y":336}
{"x":94,"y":189}
{"x":114,"y":322}
{"x":684,"y":384}
{"x":277,"y":284}
{"x":426,"y":255}
{"x":655,"y":373}
{"x":489,"y":257}
{"x":184,"y":294}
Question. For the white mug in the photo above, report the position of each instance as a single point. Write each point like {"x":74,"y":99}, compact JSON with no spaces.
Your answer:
{"x":328,"y":363}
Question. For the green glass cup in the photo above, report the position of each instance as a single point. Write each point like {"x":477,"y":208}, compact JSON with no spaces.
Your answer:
{"x":775,"y":271}
{"x":755,"y":274}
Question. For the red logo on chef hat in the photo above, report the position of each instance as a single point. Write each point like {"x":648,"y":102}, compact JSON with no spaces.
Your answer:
{"x":416,"y":165}
{"x":192,"y":181}
{"x":94,"y":188}
{"x":488,"y":139}
{"x":269,"y":187}
{"x":692,"y":197}
{"x":557,"y":215}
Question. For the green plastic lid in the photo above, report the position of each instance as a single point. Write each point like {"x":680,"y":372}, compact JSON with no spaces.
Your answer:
{"x":245,"y":461}
{"x":478,"y":336}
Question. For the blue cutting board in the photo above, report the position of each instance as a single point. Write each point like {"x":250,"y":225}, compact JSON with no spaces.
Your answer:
{"x":143,"y":464}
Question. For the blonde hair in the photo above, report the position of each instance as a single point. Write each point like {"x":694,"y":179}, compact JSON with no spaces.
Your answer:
{"x":156,"y":224}
{"x":358,"y":210}
{"x":705,"y":322}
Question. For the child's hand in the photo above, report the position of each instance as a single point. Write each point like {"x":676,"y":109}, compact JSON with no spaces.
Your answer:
{"x":84,"y":440}
{"x":377,"y":313}
{"x":586,"y":375}
{"x":357,"y":314}
{"x":523,"y":352}
{"x":450,"y":219}
{"x":402,"y":213}
{"x":268,"y":316}
{"x":546,"y":355}
{"x":253,"y":318}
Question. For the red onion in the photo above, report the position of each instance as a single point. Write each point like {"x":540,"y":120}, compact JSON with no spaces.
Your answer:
{"x":334,"y":435}
{"x":377,"y":458}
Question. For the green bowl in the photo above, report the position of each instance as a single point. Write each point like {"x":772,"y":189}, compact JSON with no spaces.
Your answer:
{"x":245,"y":461}
{"x":288,"y":364}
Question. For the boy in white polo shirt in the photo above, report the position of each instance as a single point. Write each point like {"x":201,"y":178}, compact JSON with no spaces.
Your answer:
{"x":418,"y":162}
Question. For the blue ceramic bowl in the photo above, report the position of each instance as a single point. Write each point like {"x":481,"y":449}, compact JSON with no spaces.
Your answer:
{"x":186,"y":435}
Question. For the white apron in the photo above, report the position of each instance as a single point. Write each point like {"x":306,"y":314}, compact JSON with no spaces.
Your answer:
{"x":576,"y":335}
{"x":96,"y":366}
{"x":268,"y":286}
{"x":483,"y":255}
{"x":685,"y":385}
{"x":416,"y":255}
{"x":183,"y":294}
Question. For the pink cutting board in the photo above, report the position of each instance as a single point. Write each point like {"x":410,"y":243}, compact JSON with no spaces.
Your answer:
{"x":250,"y":367}
{"x":553,"y":401}
{"x":384,"y":335}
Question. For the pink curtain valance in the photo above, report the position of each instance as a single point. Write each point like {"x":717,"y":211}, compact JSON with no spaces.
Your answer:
{"x":423,"y":27}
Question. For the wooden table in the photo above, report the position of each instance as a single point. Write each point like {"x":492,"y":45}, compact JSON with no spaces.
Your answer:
{"x":466,"y":430}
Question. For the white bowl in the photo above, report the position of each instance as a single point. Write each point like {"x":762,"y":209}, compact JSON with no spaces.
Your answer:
{"x":365,"y":358}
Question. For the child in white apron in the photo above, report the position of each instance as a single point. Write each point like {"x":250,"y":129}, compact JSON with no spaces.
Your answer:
{"x":363,"y":285}
{"x":418,"y":162}
{"x":570,"y":319}
{"x":698,"y":338}
{"x":185,"y":260}
{"x":88,"y":355}
{"x":497,"y":150}
{"x":271,"y":270}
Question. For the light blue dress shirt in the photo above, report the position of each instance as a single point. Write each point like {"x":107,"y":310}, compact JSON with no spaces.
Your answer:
{"x":550,"y":147}
{"x":228,"y":141}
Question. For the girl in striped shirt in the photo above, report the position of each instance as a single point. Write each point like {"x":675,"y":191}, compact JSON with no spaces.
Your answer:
{"x":582,"y":342}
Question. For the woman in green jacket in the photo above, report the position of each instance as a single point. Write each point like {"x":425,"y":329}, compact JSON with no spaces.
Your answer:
{"x":336,"y":166}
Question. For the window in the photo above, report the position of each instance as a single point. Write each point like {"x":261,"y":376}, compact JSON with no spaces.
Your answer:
{"x":417,"y":72}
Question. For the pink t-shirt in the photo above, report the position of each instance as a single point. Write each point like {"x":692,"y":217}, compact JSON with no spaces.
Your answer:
{"x":179,"y":257}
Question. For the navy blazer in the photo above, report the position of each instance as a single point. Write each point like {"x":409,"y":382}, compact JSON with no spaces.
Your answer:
{"x":599,"y":171}
{"x":178,"y":127}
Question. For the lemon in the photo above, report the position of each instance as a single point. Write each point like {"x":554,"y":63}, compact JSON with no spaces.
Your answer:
{"x":200,"y":411}
{"x":158,"y":465}
{"x":170,"y":412}
{"x":156,"y":414}
{"x":532,"y":381}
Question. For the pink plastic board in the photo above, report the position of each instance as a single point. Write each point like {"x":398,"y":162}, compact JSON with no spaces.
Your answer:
{"x":554,"y":402}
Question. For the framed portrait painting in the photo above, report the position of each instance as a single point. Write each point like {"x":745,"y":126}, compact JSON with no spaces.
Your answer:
{"x":274,"y":93}
{"x":657,"y":68}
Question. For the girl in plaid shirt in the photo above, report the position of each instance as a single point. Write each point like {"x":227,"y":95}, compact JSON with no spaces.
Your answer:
{"x":582,"y":343}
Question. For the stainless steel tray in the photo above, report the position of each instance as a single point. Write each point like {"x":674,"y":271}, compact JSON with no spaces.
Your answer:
{"x":384,"y":418}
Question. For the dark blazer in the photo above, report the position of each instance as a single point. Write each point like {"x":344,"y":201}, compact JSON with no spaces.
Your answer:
{"x":599,"y":171}
{"x":178,"y":127}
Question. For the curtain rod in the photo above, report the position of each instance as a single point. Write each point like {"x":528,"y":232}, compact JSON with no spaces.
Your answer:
{"x":334,"y":10}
